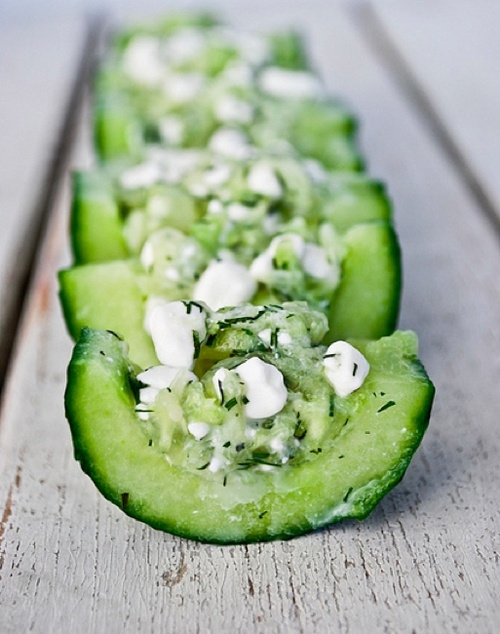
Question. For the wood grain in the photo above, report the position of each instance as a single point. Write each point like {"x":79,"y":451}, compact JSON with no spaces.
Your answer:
{"x":452,"y":50}
{"x":425,"y":560}
{"x":38,"y":65}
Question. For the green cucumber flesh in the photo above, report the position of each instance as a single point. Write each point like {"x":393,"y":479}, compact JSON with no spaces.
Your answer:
{"x":96,"y":226}
{"x":107,"y":296}
{"x":384,"y":423}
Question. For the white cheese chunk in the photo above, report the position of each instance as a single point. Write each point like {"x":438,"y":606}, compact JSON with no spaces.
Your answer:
{"x":224,"y":283}
{"x":315,"y":262}
{"x":147,"y":256}
{"x":262,"y":267}
{"x":171,"y":129}
{"x":142,"y":61}
{"x":280,"y":82}
{"x":172,"y":326}
{"x":143,"y":175}
{"x":345,"y":367}
{"x":198,"y":430}
{"x":238,"y":212}
{"x":218,"y":381}
{"x":229,"y":109}
{"x":312,"y":257}
{"x":184,"y":46}
{"x":230,"y":143}
{"x":216,"y":176}
{"x":148,"y":395}
{"x":159,"y":376}
{"x":265,"y":388}
{"x":181,"y":88}
{"x":262,"y":179}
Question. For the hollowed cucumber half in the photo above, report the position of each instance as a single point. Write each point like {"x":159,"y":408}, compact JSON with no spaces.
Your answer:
{"x":347,"y":452}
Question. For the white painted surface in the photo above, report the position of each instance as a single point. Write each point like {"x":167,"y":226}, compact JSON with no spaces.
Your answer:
{"x":38,"y":62}
{"x":453,"y":50}
{"x":427,"y":558}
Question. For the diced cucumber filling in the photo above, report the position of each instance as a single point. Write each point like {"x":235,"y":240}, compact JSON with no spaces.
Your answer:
{"x":260,"y":396}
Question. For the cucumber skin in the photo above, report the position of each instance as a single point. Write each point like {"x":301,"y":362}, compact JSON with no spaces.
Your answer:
{"x":95,"y":226}
{"x":114,"y":452}
{"x":364,"y":307}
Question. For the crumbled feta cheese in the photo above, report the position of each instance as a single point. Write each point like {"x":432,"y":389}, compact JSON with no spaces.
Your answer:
{"x":231,"y":143}
{"x":183,"y":87}
{"x":142,"y":62}
{"x":158,"y":376}
{"x":147,"y":256}
{"x":215,"y":206}
{"x":312,"y":257}
{"x":171,"y":129}
{"x":265,"y":336}
{"x":224,"y":283}
{"x":174,"y":164}
{"x":238,"y":212}
{"x":198,"y":430}
{"x":184,"y":46}
{"x":216,"y":176}
{"x":262,"y":267}
{"x":229,"y":109}
{"x":262,"y":179}
{"x":284,"y":338}
{"x":172,"y":274}
{"x":265,"y":388}
{"x":172,"y":326}
{"x":217,"y":463}
{"x":148,"y":394}
{"x":280,"y":82}
{"x":345,"y":367}
{"x":315,"y":262}
{"x":143,"y":175}
{"x":218,"y":380}
{"x":238,"y":74}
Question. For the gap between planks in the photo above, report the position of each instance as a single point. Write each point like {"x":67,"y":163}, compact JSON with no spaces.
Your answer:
{"x":43,"y":220}
{"x":377,"y":36}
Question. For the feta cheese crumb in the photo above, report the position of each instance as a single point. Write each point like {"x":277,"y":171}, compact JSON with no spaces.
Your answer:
{"x":184,"y":46}
{"x":171,"y":129}
{"x":142,"y":62}
{"x":216,"y":176}
{"x":297,"y":84}
{"x":158,"y":376}
{"x":224,"y":283}
{"x":172,"y":326}
{"x":345,"y":367}
{"x":182,"y":87}
{"x":262,"y":179}
{"x":315,"y":262}
{"x":262,"y":267}
{"x":232,"y":110}
{"x":143,"y":175}
{"x":147,"y":256}
{"x":238,"y":212}
{"x":198,"y":430}
{"x":230,"y":143}
{"x":265,"y":388}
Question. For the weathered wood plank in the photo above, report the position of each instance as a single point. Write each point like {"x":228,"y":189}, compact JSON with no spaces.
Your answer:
{"x":452,"y":49}
{"x":38,"y":62}
{"x":424,"y":561}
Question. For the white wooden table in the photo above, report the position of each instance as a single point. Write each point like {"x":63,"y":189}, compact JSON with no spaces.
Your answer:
{"x":423,"y":78}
